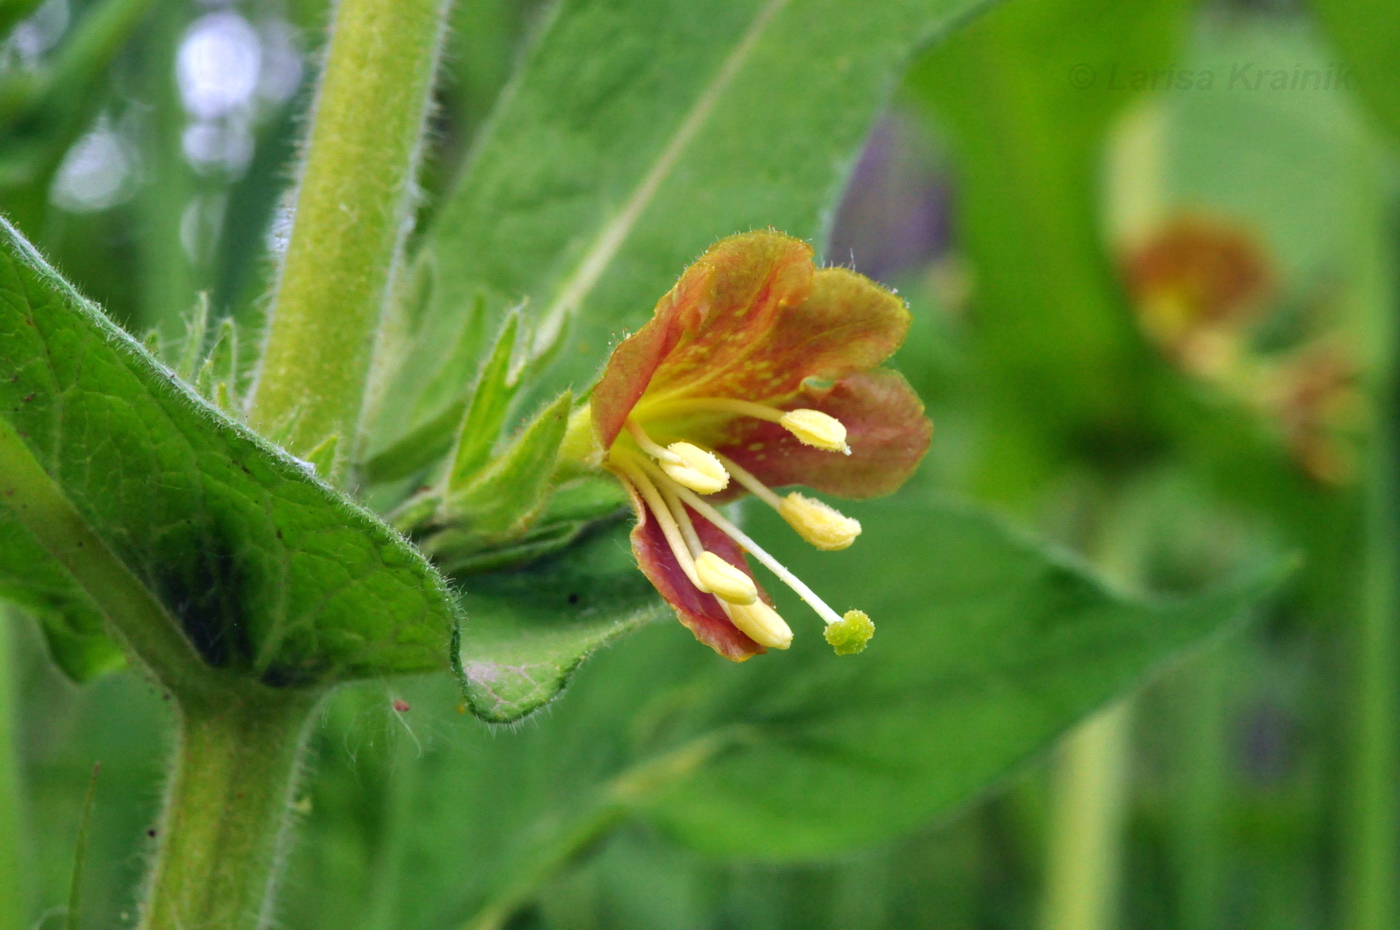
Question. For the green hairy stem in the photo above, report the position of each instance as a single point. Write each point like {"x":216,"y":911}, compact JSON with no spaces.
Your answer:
{"x":226,"y":816}
{"x":351,"y":216}
{"x":225,"y":820}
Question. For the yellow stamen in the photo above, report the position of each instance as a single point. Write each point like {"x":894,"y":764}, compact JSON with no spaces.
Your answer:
{"x":755,"y":487}
{"x":814,"y":428}
{"x":697,"y":469}
{"x":757,"y":551}
{"x":664,"y":518}
{"x":811,"y":427}
{"x":761,"y":623}
{"x":650,"y":446}
{"x":725,"y":581}
{"x":666,"y":408}
{"x":819,"y":523}
{"x":692,"y":538}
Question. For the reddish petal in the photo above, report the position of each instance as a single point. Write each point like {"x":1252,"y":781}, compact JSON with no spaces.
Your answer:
{"x":885,"y":428}
{"x":711,"y":321}
{"x":847,"y":324}
{"x":700,"y":612}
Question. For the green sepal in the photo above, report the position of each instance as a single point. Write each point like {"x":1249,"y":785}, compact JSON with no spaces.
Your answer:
{"x":572,"y":508}
{"x":217,"y":380}
{"x":417,"y":450}
{"x":322,"y":457}
{"x":196,"y":332}
{"x":486,"y":413}
{"x":506,"y":496}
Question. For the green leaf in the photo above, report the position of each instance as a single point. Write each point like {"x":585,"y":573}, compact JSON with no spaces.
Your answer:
{"x":509,"y":493}
{"x":527,"y":630}
{"x":986,"y":649}
{"x":124,"y":492}
{"x":594,"y":187}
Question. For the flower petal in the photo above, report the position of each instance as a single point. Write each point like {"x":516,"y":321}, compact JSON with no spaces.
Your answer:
{"x":848,"y":323}
{"x":707,"y":324}
{"x":885,"y":428}
{"x":701,"y":613}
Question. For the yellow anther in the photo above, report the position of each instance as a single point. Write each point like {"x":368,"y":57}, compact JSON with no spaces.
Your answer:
{"x":850,"y":635}
{"x":724,"y":581}
{"x":697,"y":469}
{"x":819,"y":523}
{"x":815,"y":428}
{"x":761,"y":623}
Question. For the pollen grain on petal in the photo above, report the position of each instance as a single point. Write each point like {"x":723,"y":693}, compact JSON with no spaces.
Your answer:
{"x":762,"y":624}
{"x":725,"y":581}
{"x":817,"y":429}
{"x":698,"y":470}
{"x":818,"y":522}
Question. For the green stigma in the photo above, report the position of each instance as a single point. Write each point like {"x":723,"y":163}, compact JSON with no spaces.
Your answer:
{"x":850,"y":635}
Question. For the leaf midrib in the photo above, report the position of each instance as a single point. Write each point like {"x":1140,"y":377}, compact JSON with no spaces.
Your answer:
{"x":41,"y":507}
{"x":598,"y":257}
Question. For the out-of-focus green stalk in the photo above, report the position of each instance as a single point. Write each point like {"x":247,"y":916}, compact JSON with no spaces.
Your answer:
{"x":596,"y":819}
{"x":73,"y":918}
{"x":1200,"y":863}
{"x":13,"y":11}
{"x":351,"y":217}
{"x":168,"y":281}
{"x":43,"y":113}
{"x":1090,"y":785}
{"x":1369,"y":890}
{"x":13,"y":901}
{"x":1086,"y":821}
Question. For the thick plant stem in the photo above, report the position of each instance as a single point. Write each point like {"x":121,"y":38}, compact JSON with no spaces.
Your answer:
{"x":351,"y":217}
{"x":1081,"y":884}
{"x":226,"y":812}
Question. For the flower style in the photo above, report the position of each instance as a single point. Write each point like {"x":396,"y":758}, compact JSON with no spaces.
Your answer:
{"x":756,"y":371}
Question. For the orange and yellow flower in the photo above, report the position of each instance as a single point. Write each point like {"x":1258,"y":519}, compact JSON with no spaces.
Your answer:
{"x":757,"y":371}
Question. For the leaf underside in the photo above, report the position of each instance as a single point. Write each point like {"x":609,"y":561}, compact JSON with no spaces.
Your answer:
{"x":267,"y":571}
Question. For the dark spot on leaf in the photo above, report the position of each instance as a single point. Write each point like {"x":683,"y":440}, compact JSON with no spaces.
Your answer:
{"x":202,"y":580}
{"x":289,"y":676}
{"x":28,"y":397}
{"x":151,"y":832}
{"x":573,"y":598}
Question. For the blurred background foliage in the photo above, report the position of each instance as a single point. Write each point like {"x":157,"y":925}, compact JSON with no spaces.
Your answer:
{"x":1150,"y":251}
